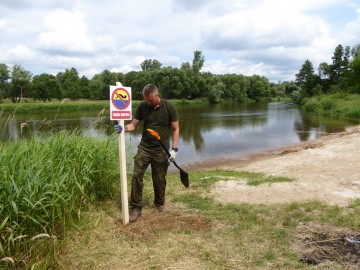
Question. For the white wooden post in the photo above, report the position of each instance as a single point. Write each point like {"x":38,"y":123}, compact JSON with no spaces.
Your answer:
{"x":123,"y":174}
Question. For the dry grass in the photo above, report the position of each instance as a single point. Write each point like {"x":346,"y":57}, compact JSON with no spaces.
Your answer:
{"x":155,"y":240}
{"x":198,"y":233}
{"x":177,"y":239}
{"x":180,"y":238}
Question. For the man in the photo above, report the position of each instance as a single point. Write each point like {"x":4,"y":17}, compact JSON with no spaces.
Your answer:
{"x":161,"y":116}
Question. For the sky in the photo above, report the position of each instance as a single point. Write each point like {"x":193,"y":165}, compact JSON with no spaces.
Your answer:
{"x":270,"y":38}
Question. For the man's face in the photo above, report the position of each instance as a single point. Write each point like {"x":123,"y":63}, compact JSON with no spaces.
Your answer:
{"x":153,"y":100}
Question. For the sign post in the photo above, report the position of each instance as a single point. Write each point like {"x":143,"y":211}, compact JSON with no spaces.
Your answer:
{"x":120,"y":110}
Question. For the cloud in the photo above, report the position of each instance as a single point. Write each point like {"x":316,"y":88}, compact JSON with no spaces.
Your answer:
{"x":67,"y":33}
{"x":269,"y":38}
{"x":352,"y":30}
{"x":19,"y":54}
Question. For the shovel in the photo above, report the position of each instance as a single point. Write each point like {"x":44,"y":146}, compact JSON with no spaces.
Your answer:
{"x":184,"y":176}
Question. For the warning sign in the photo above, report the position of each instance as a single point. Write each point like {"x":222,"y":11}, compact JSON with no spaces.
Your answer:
{"x":120,"y":98}
{"x":120,"y":103}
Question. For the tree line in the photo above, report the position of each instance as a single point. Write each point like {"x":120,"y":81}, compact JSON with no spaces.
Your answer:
{"x":186,"y":82}
{"x":341,"y":75}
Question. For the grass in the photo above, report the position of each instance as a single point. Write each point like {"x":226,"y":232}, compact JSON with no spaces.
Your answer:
{"x":78,"y":105}
{"x":252,"y":179}
{"x":79,"y":226}
{"x":46,"y":183}
{"x":345,"y":106}
{"x":198,"y":232}
{"x":60,"y":209}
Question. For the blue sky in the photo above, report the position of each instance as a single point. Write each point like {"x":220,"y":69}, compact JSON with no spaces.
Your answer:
{"x":267,"y":38}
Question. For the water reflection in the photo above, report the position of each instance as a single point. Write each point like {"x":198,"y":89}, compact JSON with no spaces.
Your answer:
{"x":206,"y":132}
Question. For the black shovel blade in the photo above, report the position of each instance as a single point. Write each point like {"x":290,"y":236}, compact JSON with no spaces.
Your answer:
{"x":184,"y":176}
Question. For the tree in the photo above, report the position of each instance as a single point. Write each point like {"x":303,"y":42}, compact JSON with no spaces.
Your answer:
{"x":291,"y":88}
{"x":95,"y":86}
{"x":216,"y":92}
{"x":306,"y":78}
{"x":70,"y":83}
{"x":238,"y":93}
{"x":324,"y":76}
{"x":355,"y":51}
{"x":84,"y":87}
{"x":352,"y":76}
{"x":340,"y":63}
{"x":45,"y":87}
{"x":324,"y":70}
{"x":108,"y":78}
{"x":259,"y":87}
{"x":187,"y":79}
{"x":20,"y":80}
{"x":198,"y":62}
{"x":4,"y":77}
{"x":150,"y":64}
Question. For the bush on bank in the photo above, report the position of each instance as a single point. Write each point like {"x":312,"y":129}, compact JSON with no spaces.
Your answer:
{"x":339,"y":105}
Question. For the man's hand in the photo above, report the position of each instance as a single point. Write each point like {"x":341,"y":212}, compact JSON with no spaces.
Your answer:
{"x":172,"y":155}
{"x":118,"y":128}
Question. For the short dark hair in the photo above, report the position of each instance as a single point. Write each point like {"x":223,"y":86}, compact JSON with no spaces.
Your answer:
{"x":150,"y":89}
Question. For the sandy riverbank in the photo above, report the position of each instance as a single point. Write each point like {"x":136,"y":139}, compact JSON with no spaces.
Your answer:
{"x":326,"y":169}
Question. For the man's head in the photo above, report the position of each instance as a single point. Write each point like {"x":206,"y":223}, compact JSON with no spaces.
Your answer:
{"x":151,"y":95}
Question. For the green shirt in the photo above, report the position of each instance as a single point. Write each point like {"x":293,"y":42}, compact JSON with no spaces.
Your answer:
{"x":158,"y":119}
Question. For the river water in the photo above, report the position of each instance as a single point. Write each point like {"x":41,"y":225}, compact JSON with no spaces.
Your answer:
{"x":207,"y":132}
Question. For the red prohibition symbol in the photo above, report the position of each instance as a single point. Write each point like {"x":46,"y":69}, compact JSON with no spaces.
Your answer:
{"x":120,"y":98}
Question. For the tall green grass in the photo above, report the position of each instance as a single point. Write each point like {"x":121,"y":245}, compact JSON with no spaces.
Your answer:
{"x":79,"y":105}
{"x":44,"y":185}
{"x":336,"y":105}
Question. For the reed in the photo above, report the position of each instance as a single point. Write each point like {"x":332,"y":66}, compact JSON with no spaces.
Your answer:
{"x":45,"y":183}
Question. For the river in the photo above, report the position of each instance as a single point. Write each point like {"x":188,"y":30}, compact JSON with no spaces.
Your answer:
{"x":207,"y":132}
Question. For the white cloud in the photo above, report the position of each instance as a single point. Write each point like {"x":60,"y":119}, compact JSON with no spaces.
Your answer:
{"x":67,"y":33}
{"x":3,"y":23}
{"x":139,"y":48}
{"x":19,"y":54}
{"x":269,"y":38}
{"x":352,"y":30}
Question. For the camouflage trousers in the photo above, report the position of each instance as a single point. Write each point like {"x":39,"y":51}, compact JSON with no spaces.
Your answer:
{"x":159,"y":167}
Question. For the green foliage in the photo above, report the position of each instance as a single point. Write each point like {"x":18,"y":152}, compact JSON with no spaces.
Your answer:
{"x":311,"y":105}
{"x":45,"y":183}
{"x":150,"y":64}
{"x":339,"y":105}
{"x":352,"y":76}
{"x":216,"y":92}
{"x":189,"y":82}
{"x":20,"y":83}
{"x":45,"y":87}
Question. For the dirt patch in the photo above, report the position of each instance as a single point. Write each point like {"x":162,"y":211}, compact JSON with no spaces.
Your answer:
{"x":325,"y":169}
{"x":152,"y":223}
{"x":320,"y":244}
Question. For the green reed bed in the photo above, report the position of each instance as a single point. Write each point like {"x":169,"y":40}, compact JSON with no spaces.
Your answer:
{"x":77,"y":105}
{"x":64,"y":105}
{"x":341,"y":105}
{"x":44,"y":185}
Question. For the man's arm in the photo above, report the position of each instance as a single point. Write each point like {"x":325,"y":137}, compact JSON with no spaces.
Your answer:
{"x":175,"y":134}
{"x":132,"y":126}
